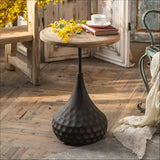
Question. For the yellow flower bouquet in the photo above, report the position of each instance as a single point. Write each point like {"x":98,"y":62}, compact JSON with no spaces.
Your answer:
{"x":66,"y":28}
{"x":11,"y":9}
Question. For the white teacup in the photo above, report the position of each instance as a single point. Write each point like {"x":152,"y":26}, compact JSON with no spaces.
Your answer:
{"x":98,"y":19}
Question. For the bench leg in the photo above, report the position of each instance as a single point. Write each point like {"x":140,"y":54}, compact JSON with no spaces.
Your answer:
{"x":34,"y":63}
{"x":10,"y":50}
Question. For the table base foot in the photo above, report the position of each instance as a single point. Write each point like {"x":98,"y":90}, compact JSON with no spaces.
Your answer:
{"x":79,"y":122}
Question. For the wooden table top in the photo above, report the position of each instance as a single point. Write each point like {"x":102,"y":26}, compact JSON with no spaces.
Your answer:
{"x":84,"y":40}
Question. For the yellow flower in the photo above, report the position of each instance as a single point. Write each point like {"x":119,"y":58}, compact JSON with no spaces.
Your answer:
{"x":71,"y":20}
{"x":79,"y":30}
{"x":11,"y":9}
{"x":65,"y":38}
{"x":66,"y":28}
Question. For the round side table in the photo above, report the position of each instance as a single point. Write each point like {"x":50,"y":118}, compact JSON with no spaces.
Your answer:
{"x":79,"y":122}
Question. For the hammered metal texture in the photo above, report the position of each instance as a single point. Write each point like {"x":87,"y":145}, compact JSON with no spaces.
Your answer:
{"x":79,"y":122}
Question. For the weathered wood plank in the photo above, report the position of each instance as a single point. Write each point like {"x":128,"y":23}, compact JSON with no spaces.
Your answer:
{"x":14,"y":37}
{"x":33,"y":54}
{"x":84,"y":40}
{"x":20,"y":64}
{"x":27,"y":110}
{"x":13,"y":29}
{"x":10,"y":49}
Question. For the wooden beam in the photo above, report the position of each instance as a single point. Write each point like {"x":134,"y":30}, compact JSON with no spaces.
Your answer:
{"x":13,"y":37}
{"x":13,"y":29}
{"x":33,"y":54}
{"x":20,"y":64}
{"x":10,"y":50}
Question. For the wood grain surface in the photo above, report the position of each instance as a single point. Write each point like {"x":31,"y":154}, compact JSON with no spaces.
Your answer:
{"x":30,"y":33}
{"x":27,"y":110}
{"x":84,"y":40}
{"x":15,"y":34}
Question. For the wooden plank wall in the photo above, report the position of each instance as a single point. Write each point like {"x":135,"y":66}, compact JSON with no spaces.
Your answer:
{"x":76,"y":9}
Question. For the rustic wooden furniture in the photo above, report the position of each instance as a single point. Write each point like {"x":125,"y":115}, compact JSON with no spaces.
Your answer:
{"x":79,"y":122}
{"x":150,"y":50}
{"x":84,"y":40}
{"x":30,"y":36}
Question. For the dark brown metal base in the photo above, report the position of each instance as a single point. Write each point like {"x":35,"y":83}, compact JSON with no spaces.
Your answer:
{"x":79,"y":122}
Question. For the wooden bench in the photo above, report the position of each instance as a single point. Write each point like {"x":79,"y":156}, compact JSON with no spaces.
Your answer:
{"x":29,"y":36}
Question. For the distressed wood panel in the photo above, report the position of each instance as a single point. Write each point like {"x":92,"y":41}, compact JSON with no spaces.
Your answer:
{"x":153,"y":20}
{"x":138,"y":31}
{"x":119,"y":52}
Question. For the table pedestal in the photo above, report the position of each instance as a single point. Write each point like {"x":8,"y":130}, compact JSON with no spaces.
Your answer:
{"x":79,"y":122}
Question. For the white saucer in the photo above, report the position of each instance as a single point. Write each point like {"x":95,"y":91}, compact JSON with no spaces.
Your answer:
{"x":90,"y":23}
